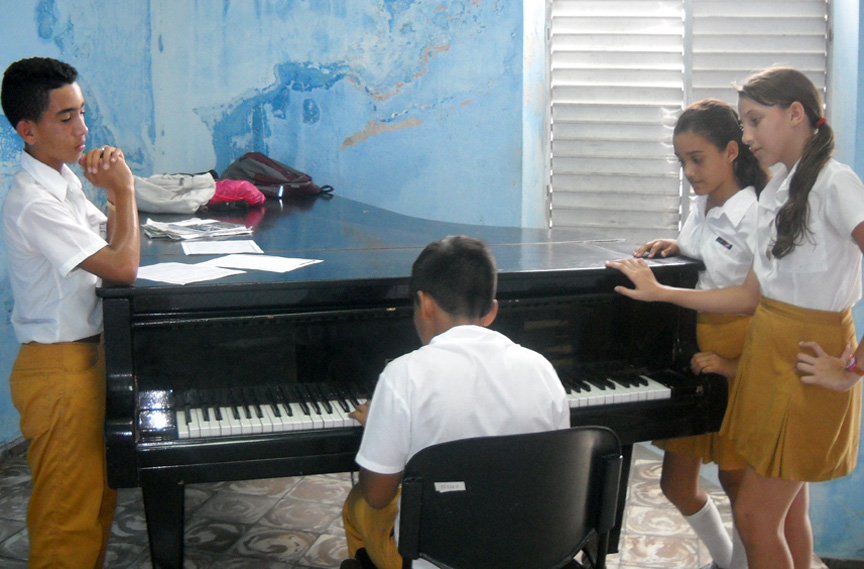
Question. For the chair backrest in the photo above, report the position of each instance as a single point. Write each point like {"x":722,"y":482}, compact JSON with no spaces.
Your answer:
{"x":510,"y":502}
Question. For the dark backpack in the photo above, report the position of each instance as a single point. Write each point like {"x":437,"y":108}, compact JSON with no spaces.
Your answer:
{"x":273,"y":178}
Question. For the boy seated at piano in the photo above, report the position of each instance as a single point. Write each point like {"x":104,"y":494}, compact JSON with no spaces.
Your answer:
{"x":57,"y":254}
{"x":465,"y":381}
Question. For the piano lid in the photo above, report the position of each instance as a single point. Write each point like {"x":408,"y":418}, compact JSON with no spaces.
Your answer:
{"x":364,"y":245}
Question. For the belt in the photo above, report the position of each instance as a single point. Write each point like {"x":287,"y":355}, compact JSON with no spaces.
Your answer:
{"x":88,"y":340}
{"x":91,"y":339}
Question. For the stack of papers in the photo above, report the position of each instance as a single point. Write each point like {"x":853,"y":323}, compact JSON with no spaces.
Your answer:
{"x":193,"y":229}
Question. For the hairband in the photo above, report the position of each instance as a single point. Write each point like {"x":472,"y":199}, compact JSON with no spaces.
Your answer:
{"x":821,"y":121}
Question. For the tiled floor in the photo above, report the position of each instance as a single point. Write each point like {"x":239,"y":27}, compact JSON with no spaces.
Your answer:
{"x":296,"y":523}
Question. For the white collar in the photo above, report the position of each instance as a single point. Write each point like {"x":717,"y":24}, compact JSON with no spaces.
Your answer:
{"x":56,"y":183}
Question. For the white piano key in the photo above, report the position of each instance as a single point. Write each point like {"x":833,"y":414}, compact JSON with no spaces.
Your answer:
{"x":246,"y":425}
{"x":269,"y":420}
{"x":656,"y":390}
{"x":300,"y":420}
{"x":230,"y":423}
{"x":278,"y":420}
{"x":330,"y":418}
{"x":315,"y":417}
{"x":182,"y":427}
{"x":622,"y":393}
{"x":257,"y":424}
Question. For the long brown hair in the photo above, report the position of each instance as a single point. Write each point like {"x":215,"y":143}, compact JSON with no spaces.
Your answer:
{"x":783,"y":86}
{"x":718,"y":123}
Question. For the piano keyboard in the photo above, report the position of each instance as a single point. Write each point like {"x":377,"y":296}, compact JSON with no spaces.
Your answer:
{"x":253,"y":410}
{"x":607,"y":389}
{"x":204,"y":413}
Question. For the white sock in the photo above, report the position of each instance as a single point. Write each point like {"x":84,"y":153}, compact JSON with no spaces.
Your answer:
{"x":709,"y":527}
{"x":739,"y":556}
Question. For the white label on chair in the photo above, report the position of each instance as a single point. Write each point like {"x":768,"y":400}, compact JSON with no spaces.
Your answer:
{"x":449,"y":486}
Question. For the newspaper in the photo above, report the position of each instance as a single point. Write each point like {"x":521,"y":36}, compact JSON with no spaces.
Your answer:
{"x":193,"y":229}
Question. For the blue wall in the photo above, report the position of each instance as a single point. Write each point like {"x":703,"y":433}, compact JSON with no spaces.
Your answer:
{"x":434,"y":109}
{"x":411,"y":105}
{"x":837,"y":507}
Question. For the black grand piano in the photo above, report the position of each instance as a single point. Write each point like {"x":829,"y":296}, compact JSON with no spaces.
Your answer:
{"x":250,"y":376}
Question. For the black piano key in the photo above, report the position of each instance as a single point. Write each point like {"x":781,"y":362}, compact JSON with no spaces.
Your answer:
{"x":622,"y":379}
{"x":232,"y":403}
{"x":254,"y":402}
{"x":299,"y":397}
{"x":320,"y":394}
{"x":354,"y":394}
{"x":242,"y":403}
{"x":308,"y":404}
{"x":599,"y":382}
{"x":343,"y":397}
{"x":205,"y":404}
{"x":283,"y":399}
{"x":269,"y":394}
{"x":217,"y":406}
{"x":187,"y":406}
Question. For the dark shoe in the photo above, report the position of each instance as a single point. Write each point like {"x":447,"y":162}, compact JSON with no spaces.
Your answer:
{"x":350,"y":564}
{"x":364,"y":559}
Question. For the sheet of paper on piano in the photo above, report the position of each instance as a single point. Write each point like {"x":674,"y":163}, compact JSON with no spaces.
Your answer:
{"x":270,"y":263}
{"x":183,"y":273}
{"x":220,"y":247}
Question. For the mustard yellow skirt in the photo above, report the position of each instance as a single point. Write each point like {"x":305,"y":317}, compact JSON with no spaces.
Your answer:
{"x":782,"y":427}
{"x":724,"y":335}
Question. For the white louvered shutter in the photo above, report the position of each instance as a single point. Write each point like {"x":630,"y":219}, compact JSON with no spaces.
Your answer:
{"x":621,"y":71}
{"x":732,"y":39}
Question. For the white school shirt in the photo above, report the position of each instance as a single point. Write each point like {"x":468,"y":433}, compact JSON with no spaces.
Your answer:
{"x":721,"y":238}
{"x":49,"y":227}
{"x":823,"y":272}
{"x":467,"y":382}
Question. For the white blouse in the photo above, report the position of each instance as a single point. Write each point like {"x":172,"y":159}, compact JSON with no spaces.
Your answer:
{"x":721,"y":238}
{"x":823,"y":272}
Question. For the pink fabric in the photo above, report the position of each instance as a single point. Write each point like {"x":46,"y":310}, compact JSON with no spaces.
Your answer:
{"x":236,"y":190}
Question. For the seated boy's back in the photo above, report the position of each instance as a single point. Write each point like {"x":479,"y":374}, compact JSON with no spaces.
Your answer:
{"x":466,"y":381}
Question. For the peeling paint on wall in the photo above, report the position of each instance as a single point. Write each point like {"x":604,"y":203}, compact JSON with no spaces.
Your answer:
{"x":374,"y":128}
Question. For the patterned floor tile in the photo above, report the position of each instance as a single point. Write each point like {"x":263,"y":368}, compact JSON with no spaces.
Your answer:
{"x":274,"y":544}
{"x":296,"y":523}
{"x":243,"y":508}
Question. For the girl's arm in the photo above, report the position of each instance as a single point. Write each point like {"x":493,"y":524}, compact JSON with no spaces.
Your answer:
{"x":824,"y":369}
{"x":730,"y":300}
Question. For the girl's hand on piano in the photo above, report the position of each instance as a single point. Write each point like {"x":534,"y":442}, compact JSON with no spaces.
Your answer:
{"x":657,"y":247}
{"x":709,"y":362}
{"x":360,"y":413}
{"x":637,"y":270}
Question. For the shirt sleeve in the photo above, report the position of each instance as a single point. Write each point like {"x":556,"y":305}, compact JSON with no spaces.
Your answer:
{"x":845,"y":201}
{"x":386,"y":436}
{"x":51,"y":230}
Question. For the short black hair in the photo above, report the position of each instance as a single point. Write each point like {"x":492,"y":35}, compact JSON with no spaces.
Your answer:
{"x":27,"y":86}
{"x":459,"y":272}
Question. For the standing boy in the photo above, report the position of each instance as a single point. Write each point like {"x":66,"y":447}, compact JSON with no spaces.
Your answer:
{"x":466,"y":381}
{"x":57,"y":256}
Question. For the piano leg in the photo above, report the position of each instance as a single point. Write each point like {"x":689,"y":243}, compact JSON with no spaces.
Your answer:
{"x":163,"y":508}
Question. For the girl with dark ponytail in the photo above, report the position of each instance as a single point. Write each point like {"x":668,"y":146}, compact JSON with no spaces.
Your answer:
{"x":794,"y":410}
{"x":726,"y":179}
{"x":781,"y":87}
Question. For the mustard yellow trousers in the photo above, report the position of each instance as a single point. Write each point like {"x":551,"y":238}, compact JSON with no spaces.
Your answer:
{"x":371,"y":529}
{"x":59,"y":389}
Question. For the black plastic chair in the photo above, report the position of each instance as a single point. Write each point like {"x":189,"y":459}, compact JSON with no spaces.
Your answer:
{"x":531,"y":501}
